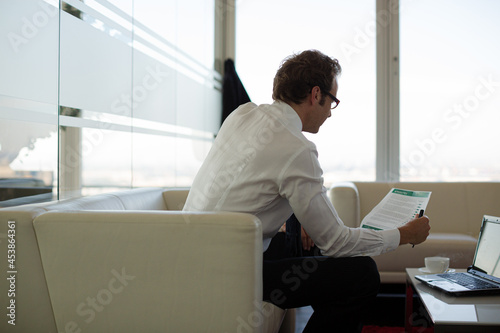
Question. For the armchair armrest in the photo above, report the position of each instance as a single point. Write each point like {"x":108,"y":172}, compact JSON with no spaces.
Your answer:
{"x":345,"y":198}
{"x":129,"y":271}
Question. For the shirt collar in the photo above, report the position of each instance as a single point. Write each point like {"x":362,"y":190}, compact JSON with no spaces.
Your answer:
{"x":290,"y":115}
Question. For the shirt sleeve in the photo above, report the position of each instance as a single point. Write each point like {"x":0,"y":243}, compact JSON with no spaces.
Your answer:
{"x":301,"y":183}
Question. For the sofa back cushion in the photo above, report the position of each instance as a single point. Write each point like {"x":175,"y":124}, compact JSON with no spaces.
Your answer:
{"x":175,"y":198}
{"x":142,"y":199}
{"x":453,"y":206}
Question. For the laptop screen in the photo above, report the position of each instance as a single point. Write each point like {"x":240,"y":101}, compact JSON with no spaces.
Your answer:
{"x":487,"y":256}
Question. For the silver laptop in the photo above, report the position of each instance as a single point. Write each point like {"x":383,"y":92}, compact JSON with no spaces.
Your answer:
{"x":483,"y":277}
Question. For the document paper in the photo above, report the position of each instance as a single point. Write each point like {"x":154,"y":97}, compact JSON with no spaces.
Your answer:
{"x":396,"y":209}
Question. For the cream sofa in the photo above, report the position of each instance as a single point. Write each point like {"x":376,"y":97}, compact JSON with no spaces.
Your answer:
{"x":122,"y":262}
{"x":455,"y":211}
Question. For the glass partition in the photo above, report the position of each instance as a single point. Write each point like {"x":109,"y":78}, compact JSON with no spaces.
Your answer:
{"x":102,"y":95}
{"x":28,"y":101}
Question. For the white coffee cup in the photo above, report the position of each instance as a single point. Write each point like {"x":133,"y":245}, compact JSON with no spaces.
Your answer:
{"x":437,"y":264}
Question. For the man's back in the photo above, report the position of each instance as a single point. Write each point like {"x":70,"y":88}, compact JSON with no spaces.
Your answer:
{"x":251,"y":157}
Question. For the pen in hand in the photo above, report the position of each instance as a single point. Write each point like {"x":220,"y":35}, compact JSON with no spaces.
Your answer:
{"x":419,"y":215}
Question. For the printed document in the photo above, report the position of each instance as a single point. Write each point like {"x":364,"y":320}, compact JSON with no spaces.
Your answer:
{"x":396,"y":209}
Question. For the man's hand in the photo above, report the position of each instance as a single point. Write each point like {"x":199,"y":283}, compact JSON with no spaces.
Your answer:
{"x":307,"y":242}
{"x":415,"y":231}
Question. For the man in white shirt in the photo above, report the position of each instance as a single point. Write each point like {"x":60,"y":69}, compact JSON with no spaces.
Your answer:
{"x":262,"y":164}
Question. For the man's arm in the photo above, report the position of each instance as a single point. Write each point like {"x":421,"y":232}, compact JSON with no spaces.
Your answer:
{"x":415,"y":231}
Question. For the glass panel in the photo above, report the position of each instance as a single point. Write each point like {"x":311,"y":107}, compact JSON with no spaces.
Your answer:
{"x":450,"y":93}
{"x":96,"y":61}
{"x":29,"y":63}
{"x":106,"y":160}
{"x":117,"y":5}
{"x":198,"y":104}
{"x":153,"y":160}
{"x":82,"y":68}
{"x":167,"y":160}
{"x":195,"y":19}
{"x":212,"y":114}
{"x":171,"y":86}
{"x":28,"y":101}
{"x":156,"y":17}
{"x":342,"y":29}
{"x":191,"y":103}
{"x":28,"y":162}
{"x":154,"y":90}
{"x":190,"y":154}
{"x":154,"y":60}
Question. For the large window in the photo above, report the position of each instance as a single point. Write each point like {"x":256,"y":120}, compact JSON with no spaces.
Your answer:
{"x":450,"y":90}
{"x":269,"y":31}
{"x":448,"y":73}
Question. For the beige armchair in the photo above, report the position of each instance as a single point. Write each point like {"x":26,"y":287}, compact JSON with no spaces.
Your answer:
{"x":124,"y":262}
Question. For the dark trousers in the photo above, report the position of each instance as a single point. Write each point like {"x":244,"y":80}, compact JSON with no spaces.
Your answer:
{"x":339,"y":290}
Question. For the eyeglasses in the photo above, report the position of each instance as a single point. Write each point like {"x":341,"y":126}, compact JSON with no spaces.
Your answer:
{"x":335,"y":100}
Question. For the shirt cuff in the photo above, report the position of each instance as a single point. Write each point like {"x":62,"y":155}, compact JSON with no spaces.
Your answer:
{"x":391,"y":239}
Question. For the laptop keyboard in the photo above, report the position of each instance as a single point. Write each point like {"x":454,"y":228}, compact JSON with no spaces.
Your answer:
{"x":468,"y":281}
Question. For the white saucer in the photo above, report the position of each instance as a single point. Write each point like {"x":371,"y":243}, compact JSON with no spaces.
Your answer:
{"x":426,"y":271}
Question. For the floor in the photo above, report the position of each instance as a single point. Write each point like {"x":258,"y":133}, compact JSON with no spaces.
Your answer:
{"x":388,"y":309}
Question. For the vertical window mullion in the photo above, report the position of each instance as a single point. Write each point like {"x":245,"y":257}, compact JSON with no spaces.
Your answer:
{"x":387,"y":156}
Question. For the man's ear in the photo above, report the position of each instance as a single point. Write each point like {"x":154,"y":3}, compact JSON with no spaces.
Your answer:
{"x":315,"y":95}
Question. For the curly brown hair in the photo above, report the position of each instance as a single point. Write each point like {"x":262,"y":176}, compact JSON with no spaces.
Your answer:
{"x":299,"y":73}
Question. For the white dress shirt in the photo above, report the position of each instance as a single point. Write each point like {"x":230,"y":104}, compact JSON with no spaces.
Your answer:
{"x":262,"y":164}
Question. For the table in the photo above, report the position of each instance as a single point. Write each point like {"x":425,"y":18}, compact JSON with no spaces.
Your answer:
{"x":451,"y":313}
